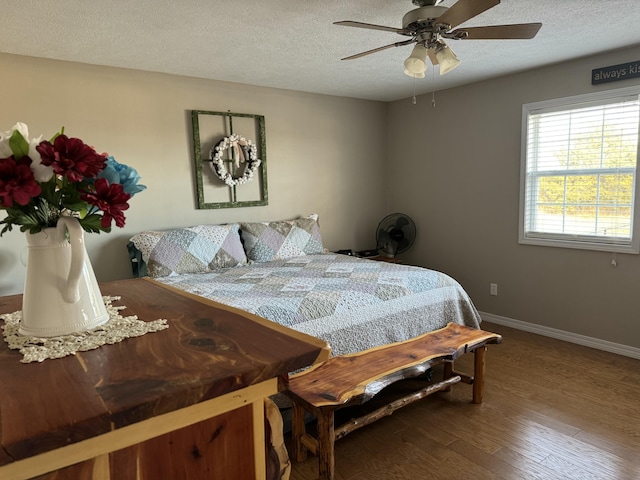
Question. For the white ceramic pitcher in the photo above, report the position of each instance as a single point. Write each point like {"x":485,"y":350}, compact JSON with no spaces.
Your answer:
{"x":61,"y":294}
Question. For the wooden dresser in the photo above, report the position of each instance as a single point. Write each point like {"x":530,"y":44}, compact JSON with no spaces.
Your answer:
{"x":185,"y":402}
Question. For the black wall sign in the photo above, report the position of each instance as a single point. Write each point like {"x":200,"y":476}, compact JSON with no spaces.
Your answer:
{"x":615,"y":73}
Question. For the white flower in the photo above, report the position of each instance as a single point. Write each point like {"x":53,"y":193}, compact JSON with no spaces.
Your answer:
{"x":42,"y":173}
{"x":5,"y":149}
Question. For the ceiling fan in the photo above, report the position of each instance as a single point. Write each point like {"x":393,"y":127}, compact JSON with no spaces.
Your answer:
{"x":429,"y":24}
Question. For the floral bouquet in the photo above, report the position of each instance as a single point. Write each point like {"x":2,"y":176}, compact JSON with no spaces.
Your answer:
{"x":41,"y":181}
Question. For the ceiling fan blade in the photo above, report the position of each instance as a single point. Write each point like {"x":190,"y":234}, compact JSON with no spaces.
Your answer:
{"x":432,"y":56}
{"x":498,"y":32}
{"x":379,"y":49}
{"x":463,"y":10}
{"x":349,"y":23}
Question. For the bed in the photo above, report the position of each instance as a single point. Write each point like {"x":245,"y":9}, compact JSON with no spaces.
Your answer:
{"x":281,"y":271}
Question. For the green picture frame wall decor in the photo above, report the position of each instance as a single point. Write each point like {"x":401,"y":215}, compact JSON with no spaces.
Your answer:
{"x":234,"y":174}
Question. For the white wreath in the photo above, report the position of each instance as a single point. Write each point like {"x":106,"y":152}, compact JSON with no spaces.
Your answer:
{"x":243,"y":151}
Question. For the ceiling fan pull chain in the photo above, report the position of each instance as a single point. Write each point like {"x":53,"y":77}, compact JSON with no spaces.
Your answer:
{"x":413,"y":100}
{"x":433,"y":92}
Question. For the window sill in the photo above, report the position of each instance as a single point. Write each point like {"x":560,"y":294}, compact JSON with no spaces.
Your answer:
{"x":601,"y":247}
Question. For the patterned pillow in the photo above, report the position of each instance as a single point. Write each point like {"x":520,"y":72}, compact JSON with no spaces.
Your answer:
{"x":190,"y":250}
{"x":264,"y":241}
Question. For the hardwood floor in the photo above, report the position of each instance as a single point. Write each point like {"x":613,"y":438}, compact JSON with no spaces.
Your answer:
{"x":552,"y":410}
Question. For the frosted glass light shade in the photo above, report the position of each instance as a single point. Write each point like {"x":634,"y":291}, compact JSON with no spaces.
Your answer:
{"x":417,"y":61}
{"x":413,"y":75}
{"x":446,"y":59}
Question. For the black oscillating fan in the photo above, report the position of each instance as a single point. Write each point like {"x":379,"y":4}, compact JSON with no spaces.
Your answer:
{"x":395,"y":234}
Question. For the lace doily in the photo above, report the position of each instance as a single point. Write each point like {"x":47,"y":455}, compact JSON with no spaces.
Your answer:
{"x":38,"y":349}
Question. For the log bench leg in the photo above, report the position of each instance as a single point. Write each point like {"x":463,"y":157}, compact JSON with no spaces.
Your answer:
{"x":478,"y":373}
{"x":326,"y":440}
{"x":447,"y":373}
{"x":477,"y":380}
{"x":325,"y":444}
{"x":298,"y":430}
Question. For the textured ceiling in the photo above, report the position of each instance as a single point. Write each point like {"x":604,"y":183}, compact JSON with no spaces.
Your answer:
{"x":293,"y":44}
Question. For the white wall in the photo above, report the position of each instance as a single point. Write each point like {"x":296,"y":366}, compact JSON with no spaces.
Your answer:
{"x":324,"y":154}
{"x":456,"y":171}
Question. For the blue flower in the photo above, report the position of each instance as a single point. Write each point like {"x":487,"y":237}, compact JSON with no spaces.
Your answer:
{"x":126,"y":176}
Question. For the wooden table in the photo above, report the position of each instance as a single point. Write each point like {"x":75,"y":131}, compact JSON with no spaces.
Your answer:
{"x":185,"y":402}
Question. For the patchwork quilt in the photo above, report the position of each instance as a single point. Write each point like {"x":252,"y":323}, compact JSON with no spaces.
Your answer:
{"x":352,"y":303}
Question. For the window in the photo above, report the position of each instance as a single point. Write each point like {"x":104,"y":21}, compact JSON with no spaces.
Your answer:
{"x":578,"y":172}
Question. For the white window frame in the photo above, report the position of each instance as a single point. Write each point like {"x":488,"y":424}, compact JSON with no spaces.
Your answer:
{"x":600,"y":243}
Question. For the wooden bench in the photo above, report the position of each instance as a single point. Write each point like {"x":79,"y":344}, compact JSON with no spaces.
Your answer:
{"x":354,"y":379}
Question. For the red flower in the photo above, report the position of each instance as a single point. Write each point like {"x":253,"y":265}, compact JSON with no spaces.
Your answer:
{"x":111,"y":199}
{"x":72,"y":158}
{"x":17,"y":182}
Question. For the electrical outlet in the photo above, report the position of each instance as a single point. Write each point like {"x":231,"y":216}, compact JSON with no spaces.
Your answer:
{"x":493,"y":288}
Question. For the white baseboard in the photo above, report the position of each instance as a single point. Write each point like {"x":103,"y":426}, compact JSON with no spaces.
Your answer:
{"x":596,"y":343}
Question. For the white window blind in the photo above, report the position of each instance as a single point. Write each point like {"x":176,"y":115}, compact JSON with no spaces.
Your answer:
{"x":579,"y":173}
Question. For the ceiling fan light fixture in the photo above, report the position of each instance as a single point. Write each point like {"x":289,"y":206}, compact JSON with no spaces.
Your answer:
{"x":416,"y":63}
{"x":428,"y":24}
{"x":446,"y":59}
